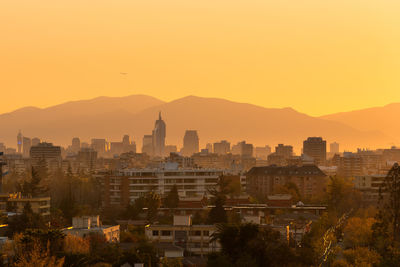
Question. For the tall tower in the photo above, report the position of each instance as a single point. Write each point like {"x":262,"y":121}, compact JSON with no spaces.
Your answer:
{"x":19,"y":142}
{"x":159,"y":134}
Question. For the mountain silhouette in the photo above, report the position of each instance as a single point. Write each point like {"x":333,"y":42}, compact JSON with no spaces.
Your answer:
{"x":214,"y":119}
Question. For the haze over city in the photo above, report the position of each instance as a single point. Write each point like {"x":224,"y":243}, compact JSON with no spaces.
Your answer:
{"x":178,"y":133}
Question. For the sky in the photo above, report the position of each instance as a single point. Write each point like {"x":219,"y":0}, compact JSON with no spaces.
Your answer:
{"x":318,"y":57}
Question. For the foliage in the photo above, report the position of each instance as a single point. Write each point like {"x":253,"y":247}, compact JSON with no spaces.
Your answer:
{"x":361,"y":256}
{"x":251,"y":245}
{"x":170,"y":262}
{"x":289,"y":188}
{"x":386,"y":229}
{"x":27,"y":220}
{"x":172,"y":199}
{"x":358,"y":232}
{"x":341,"y":195}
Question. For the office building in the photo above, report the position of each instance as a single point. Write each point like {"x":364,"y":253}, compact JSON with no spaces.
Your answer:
{"x":26,"y":146}
{"x":263,"y":152}
{"x":99,"y":145}
{"x":284,"y":150}
{"x":148,"y":145}
{"x":222,"y":148}
{"x":334,"y":148}
{"x":76,"y":144}
{"x":190,"y":143}
{"x":87,"y":158}
{"x":243,"y":149}
{"x":159,"y":134}
{"x":19,"y":142}
{"x":315,"y":147}
{"x":48,"y":153}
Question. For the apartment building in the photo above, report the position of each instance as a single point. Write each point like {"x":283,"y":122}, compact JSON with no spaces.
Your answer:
{"x":127,"y":185}
{"x":195,"y":239}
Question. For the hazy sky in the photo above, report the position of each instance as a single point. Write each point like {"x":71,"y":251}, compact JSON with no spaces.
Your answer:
{"x":316,"y":56}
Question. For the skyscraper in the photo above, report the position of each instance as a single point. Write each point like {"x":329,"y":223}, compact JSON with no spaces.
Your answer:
{"x":190,"y":143}
{"x":26,"y":146}
{"x":148,"y":145}
{"x":315,"y":147}
{"x":19,"y":142}
{"x":334,"y":148}
{"x":76,"y":144}
{"x":222,"y":148}
{"x":159,"y":134}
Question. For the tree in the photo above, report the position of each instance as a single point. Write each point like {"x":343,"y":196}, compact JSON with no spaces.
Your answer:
{"x":172,"y":199}
{"x":27,"y":220}
{"x":341,"y":195}
{"x":358,"y":232}
{"x":250,"y":245}
{"x":386,"y":229}
{"x":217,"y":213}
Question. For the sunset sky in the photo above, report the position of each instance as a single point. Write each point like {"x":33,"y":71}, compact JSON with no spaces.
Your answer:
{"x":316,"y":56}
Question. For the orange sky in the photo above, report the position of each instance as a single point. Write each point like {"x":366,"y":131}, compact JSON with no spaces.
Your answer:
{"x":316,"y":56}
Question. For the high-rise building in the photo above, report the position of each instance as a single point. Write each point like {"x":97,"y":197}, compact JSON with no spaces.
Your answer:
{"x":209,"y":147}
{"x":243,"y":149}
{"x":35,"y":141}
{"x":334,"y":148}
{"x":87,"y":159}
{"x":222,"y":148}
{"x":26,"y":146}
{"x":315,"y":147}
{"x":100,"y":146}
{"x":116,"y":148}
{"x":127,"y":145}
{"x":148,"y":145}
{"x":19,"y":142}
{"x":47,"y":152}
{"x":159,"y":134}
{"x":263,"y":152}
{"x":190,"y":143}
{"x":284,"y":150}
{"x":170,"y":149}
{"x":76,"y":144}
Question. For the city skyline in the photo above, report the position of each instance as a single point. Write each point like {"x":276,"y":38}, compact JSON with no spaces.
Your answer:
{"x":132,"y":114}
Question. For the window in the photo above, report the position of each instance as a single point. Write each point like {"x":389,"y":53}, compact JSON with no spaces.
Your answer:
{"x":195,"y":233}
{"x":155,"y":233}
{"x":165,"y":233}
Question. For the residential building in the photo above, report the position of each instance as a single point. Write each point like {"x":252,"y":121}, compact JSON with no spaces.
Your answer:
{"x":196,"y":239}
{"x":262,"y":181}
{"x":85,"y":225}
{"x":126,"y":185}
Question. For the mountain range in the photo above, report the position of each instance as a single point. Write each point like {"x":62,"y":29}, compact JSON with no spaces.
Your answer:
{"x":214,"y":119}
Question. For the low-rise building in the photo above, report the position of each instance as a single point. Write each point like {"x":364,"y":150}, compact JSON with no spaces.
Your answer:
{"x":16,"y":203}
{"x":86,"y":225}
{"x":196,"y":239}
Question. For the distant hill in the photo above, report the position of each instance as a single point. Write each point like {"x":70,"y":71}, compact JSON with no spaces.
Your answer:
{"x":384,"y":119}
{"x":215,"y":119}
